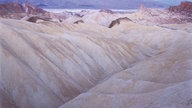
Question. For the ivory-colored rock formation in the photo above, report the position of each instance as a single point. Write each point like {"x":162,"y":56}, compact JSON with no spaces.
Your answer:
{"x":88,"y":65}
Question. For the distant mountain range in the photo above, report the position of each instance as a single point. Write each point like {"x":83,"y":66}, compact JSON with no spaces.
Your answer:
{"x":98,"y":4}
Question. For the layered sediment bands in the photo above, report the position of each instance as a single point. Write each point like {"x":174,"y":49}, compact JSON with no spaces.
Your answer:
{"x":78,"y":65}
{"x":163,"y":80}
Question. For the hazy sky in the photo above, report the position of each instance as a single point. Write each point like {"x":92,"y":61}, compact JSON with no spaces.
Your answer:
{"x":171,"y":1}
{"x":123,"y":4}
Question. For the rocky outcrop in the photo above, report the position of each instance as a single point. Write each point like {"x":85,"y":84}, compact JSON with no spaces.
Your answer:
{"x":14,"y":7}
{"x":118,"y":21}
{"x":172,"y":15}
{"x":28,"y":12}
{"x":185,"y":8}
{"x":78,"y":21}
{"x":11,"y":8}
{"x":34,"y":19}
{"x":15,"y":10}
{"x":30,"y":9}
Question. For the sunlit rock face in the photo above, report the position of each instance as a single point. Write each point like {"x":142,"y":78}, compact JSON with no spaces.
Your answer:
{"x":185,"y":8}
{"x":80,"y":62}
{"x":8,"y":9}
{"x":25,"y":11}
